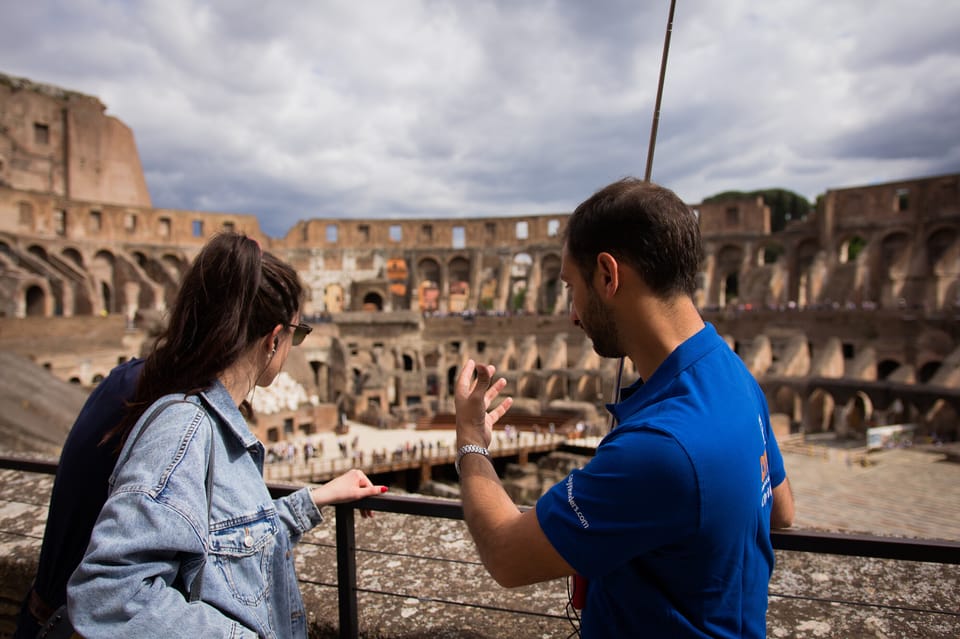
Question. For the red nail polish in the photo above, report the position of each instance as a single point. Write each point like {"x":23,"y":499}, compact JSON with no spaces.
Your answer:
{"x":383,"y":489}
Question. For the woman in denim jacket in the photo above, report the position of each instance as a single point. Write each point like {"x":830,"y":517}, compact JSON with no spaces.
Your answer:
{"x":162,"y":560}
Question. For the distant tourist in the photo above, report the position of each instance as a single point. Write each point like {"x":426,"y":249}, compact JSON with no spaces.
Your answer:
{"x":669,"y":523}
{"x":189,"y":541}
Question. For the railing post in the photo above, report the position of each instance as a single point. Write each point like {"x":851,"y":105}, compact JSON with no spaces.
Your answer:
{"x":347,"y":572}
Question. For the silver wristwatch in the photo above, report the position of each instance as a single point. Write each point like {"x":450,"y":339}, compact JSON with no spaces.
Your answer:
{"x":466,"y":450}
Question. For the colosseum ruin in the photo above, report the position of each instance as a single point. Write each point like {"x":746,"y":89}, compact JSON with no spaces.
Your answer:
{"x":848,"y":316}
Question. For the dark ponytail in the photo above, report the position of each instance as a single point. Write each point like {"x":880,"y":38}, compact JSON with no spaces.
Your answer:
{"x":232,"y":295}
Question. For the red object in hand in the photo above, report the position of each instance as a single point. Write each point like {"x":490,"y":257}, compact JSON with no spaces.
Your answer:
{"x":579,"y":599}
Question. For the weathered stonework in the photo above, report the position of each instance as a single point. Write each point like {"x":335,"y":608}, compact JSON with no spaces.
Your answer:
{"x":848,"y":318}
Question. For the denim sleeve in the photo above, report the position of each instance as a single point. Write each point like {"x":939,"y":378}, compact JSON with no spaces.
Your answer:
{"x":298,"y":513}
{"x":123,"y":586}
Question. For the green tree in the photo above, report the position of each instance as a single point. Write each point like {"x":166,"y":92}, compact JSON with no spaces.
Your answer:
{"x":784,"y":205}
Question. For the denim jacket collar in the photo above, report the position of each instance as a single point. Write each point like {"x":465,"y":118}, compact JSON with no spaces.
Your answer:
{"x":218,"y":399}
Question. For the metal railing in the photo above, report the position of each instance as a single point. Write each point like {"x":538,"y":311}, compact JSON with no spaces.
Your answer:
{"x":830,"y":543}
{"x":319,"y":469}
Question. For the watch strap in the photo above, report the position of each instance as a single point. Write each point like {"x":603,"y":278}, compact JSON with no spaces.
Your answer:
{"x":466,"y":450}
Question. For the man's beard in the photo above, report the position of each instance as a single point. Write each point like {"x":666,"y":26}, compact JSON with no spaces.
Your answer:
{"x":598,"y":324}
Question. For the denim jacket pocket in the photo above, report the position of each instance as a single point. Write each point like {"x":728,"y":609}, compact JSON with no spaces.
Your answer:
{"x":244,"y":555}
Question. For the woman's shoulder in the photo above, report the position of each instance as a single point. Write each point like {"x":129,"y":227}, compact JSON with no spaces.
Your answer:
{"x":162,"y":435}
{"x":169,"y":411}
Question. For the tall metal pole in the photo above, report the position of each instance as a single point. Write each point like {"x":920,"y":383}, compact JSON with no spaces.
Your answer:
{"x":656,"y":106}
{"x":649,"y":171}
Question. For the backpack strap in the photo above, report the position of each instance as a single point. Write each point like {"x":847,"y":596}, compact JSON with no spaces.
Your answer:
{"x":197,"y":584}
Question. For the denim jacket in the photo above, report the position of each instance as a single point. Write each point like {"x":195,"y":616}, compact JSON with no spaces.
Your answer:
{"x":153,"y":533}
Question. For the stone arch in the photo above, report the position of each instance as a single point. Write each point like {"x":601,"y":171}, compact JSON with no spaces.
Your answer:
{"x":589,"y":388}
{"x":898,"y":411}
{"x":556,"y":387}
{"x":858,"y":414}
{"x":408,"y":362}
{"x":102,"y":271}
{"x":926,"y":372}
{"x":106,"y":297}
{"x":894,"y":261}
{"x":951,"y":298}
{"x":801,"y":289}
{"x":428,"y":287}
{"x":322,"y":380}
{"x":885,"y":368}
{"x":728,"y":265}
{"x":787,"y":401}
{"x":451,"y":379}
{"x":54,"y":286}
{"x":529,"y":386}
{"x":176,"y":265}
{"x":551,"y":288}
{"x":37,"y":251}
{"x":850,"y":248}
{"x":35,"y":301}
{"x":943,"y":257}
{"x":942,"y":251}
{"x":81,"y":302}
{"x":489,"y":286}
{"x":942,"y":422}
{"x":818,"y":415}
{"x":458,"y":269}
{"x":134,"y":282}
{"x":770,"y":253}
{"x":160,"y":272}
{"x":520,"y":268}
{"x":373,"y":302}
{"x":333,"y":298}
{"x":73,"y":255}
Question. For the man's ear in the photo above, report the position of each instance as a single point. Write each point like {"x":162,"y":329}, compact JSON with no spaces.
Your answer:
{"x":607,"y":274}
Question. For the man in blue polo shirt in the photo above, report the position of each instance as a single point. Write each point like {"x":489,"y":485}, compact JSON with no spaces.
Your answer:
{"x":668,"y":525}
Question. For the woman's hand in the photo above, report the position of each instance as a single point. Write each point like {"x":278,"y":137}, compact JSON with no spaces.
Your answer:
{"x":350,"y":486}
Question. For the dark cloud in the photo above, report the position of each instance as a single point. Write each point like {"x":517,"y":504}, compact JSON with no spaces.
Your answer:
{"x":440,"y":108}
{"x":925,"y":127}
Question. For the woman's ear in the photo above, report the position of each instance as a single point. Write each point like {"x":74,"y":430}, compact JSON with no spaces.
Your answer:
{"x":273,"y":339}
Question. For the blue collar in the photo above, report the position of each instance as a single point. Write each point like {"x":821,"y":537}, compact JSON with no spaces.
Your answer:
{"x":641,"y":393}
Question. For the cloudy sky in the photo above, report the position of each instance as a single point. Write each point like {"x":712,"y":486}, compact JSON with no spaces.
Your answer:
{"x":441,"y":108}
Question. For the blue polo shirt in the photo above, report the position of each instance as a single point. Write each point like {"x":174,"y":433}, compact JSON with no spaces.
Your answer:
{"x":670,"y":521}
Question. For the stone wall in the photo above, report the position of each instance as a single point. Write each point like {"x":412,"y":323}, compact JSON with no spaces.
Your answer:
{"x":412,"y":572}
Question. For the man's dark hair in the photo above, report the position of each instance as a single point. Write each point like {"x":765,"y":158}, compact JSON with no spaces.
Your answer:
{"x":643,"y":225}
{"x":232,"y":295}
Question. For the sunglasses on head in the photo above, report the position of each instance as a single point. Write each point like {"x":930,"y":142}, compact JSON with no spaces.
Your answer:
{"x":300,"y":332}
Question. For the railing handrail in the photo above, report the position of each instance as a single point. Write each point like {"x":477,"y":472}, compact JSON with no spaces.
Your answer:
{"x":832,"y":543}
{"x":941,"y":551}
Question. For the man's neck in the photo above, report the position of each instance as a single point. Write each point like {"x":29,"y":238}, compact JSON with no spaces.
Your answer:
{"x":666,"y":325}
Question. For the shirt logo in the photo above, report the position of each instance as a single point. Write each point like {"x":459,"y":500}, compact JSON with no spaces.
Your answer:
{"x":766,"y":492}
{"x":573,"y":503}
